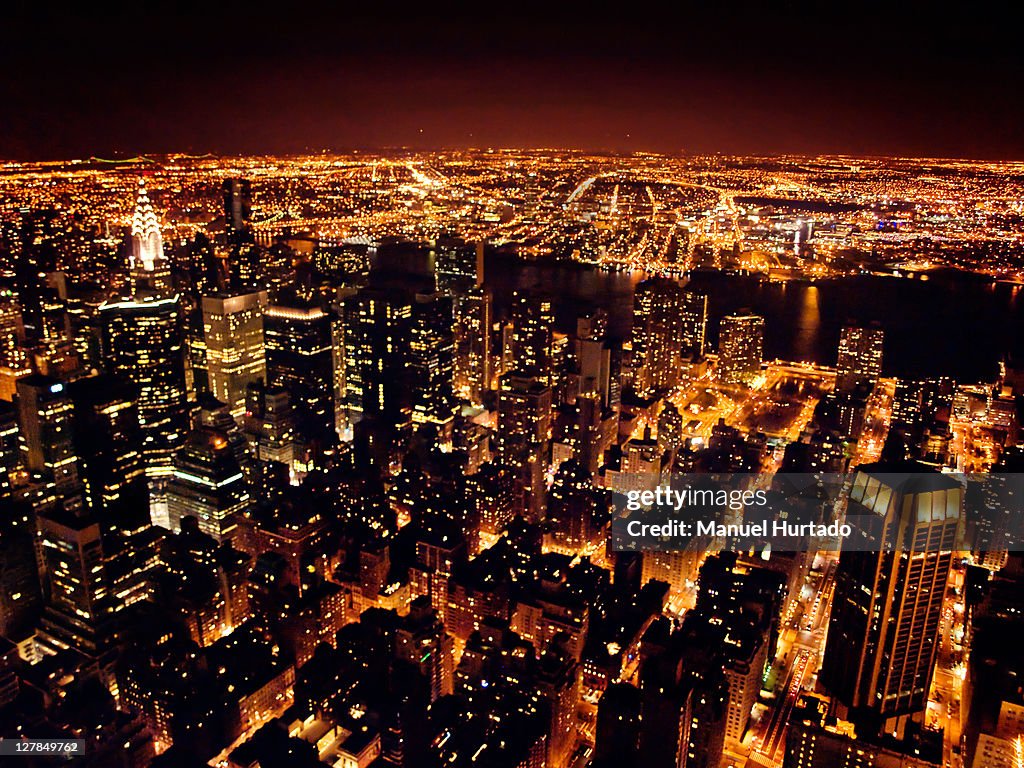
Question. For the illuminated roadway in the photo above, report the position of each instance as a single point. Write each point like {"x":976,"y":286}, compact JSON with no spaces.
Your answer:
{"x":768,"y":750}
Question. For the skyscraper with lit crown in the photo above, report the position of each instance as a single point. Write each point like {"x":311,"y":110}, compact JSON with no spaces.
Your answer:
{"x":142,"y":342}
{"x":149,"y":268}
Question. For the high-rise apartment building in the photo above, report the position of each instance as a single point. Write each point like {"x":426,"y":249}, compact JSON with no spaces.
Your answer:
{"x":740,"y":348}
{"x":523,"y":436}
{"x":860,"y":357}
{"x":421,"y":640}
{"x":694,"y":323}
{"x":12,"y":334}
{"x":668,"y":325}
{"x":400,"y":353}
{"x":459,"y":271}
{"x":532,"y":340}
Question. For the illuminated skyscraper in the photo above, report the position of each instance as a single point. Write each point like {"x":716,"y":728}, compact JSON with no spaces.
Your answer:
{"x":473,"y":343}
{"x":431,"y":362}
{"x":70,"y":552}
{"x":524,"y":436}
{"x":300,"y":358}
{"x":458,"y":265}
{"x":47,"y":435}
{"x":14,"y":360}
{"x":10,"y":450}
{"x":860,"y":357}
{"x":150,"y":271}
{"x":54,"y":353}
{"x":493,"y":491}
{"x":884,"y":628}
{"x":657,"y":335}
{"x":668,"y":325}
{"x":35,"y":250}
{"x":108,"y":438}
{"x":576,"y":510}
{"x":197,"y":371}
{"x":207,"y":483}
{"x":459,"y":271}
{"x":590,"y":356}
{"x":532,"y":342}
{"x":694,"y":321}
{"x":213,"y":414}
{"x":20,"y":595}
{"x":817,"y":739}
{"x":379,"y":323}
{"x":740,"y":345}
{"x":142,"y":341}
{"x":235,"y":351}
{"x":268,"y":423}
{"x":670,"y":427}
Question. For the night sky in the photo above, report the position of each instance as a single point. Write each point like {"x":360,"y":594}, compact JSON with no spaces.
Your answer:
{"x":862,"y":78}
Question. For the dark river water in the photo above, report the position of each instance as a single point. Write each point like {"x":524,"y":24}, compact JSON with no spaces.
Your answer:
{"x":951,"y":323}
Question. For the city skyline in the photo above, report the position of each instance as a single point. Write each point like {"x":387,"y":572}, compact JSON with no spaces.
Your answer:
{"x":648,"y":457}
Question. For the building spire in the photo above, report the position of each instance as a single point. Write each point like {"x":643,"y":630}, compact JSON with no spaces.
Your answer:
{"x":150,"y":271}
{"x":147,"y":244}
